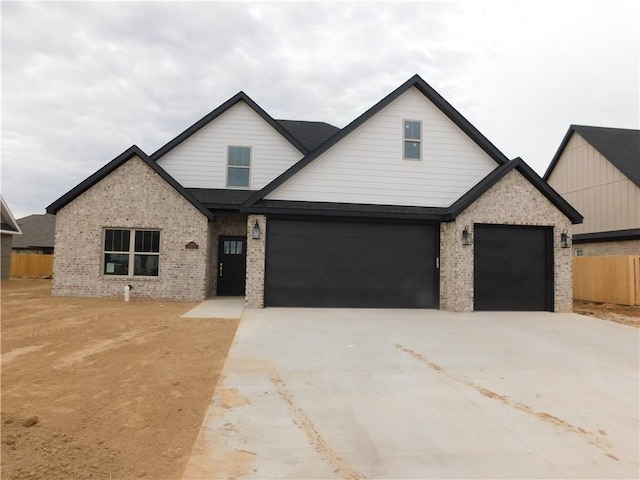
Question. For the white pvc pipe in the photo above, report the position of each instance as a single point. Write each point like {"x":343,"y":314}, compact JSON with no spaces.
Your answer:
{"x":127,"y":293}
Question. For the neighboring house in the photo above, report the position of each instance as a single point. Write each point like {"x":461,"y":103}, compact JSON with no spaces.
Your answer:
{"x":38,"y":234}
{"x":407,"y":206}
{"x":8,"y":229}
{"x":597,"y":170}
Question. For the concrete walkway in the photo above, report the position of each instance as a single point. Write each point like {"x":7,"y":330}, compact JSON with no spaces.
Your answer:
{"x":218,"y":307}
{"x":354,"y":394}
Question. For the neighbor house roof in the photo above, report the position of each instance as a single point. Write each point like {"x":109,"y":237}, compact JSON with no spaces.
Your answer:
{"x":37,"y":231}
{"x":8,"y":224}
{"x":304,"y":136}
{"x":620,"y":146}
{"x":422,"y":86}
{"x":125,"y":156}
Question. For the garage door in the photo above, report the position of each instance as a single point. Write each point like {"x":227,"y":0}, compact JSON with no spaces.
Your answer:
{"x":513,"y":268}
{"x":351,"y":264}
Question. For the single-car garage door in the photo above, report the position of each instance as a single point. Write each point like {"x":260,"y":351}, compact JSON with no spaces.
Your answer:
{"x":513,"y":268}
{"x":313,"y":263}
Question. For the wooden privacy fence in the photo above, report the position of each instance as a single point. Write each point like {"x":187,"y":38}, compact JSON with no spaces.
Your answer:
{"x":28,"y":265}
{"x":613,"y":279}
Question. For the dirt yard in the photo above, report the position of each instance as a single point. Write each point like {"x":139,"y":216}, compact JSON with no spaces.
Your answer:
{"x":119,"y":389}
{"x":627,"y":315}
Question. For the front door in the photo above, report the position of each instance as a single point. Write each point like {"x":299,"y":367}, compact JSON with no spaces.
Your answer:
{"x":232,"y":265}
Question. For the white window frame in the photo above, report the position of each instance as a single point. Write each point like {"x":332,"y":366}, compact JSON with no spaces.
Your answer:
{"x":412,"y":140}
{"x":131,"y":252}
{"x":248,"y":186}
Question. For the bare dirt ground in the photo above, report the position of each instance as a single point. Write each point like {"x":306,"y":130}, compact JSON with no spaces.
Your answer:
{"x":627,"y":315}
{"x":119,"y":389}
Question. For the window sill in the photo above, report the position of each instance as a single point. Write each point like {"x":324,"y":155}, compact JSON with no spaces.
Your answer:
{"x":126,"y":278}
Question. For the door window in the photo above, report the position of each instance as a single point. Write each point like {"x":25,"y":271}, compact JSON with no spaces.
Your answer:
{"x":233,"y":247}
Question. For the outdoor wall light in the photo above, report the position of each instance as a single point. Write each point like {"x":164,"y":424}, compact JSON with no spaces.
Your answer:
{"x":565,"y":239}
{"x":255,"y":232}
{"x":466,"y":236}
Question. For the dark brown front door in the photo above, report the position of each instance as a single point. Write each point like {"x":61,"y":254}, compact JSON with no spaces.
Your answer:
{"x":232,"y":265}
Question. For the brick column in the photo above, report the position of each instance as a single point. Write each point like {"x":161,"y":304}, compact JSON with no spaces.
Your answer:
{"x":254,"y":291}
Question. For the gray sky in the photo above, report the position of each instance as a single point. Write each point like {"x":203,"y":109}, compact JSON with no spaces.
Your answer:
{"x":81,"y":82}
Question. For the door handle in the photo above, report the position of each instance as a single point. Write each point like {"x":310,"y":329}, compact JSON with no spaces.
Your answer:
{"x":221,"y":269}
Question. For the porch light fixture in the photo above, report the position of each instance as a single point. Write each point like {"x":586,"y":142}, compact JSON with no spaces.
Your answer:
{"x":565,"y":239}
{"x":255,"y":232}
{"x":466,"y":236}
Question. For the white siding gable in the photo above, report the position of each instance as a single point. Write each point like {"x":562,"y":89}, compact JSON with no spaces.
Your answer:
{"x":201,"y":160}
{"x":367,"y":165}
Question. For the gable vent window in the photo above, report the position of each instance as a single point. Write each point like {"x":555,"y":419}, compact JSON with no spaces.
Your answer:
{"x":239,"y":167}
{"x":412,"y":140}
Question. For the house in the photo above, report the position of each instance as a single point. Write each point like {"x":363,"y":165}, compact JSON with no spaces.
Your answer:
{"x":8,"y":229}
{"x":597,"y":170}
{"x":38,"y":234}
{"x":407,"y":206}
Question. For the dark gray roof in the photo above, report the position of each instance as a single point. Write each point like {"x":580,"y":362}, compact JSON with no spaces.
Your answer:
{"x":310,"y":134}
{"x":219,"y":198}
{"x":37,"y":231}
{"x":620,"y":146}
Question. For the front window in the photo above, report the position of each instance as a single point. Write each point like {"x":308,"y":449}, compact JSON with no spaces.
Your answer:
{"x":412,"y":139}
{"x":131,"y":252}
{"x":238,"y":167}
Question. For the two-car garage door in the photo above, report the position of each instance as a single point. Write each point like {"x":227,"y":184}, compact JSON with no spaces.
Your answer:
{"x":314,"y":263}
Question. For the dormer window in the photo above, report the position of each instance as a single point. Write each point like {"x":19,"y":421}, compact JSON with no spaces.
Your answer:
{"x":412,"y":140}
{"x":239,"y":167}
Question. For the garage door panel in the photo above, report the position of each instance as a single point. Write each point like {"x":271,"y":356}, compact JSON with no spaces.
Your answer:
{"x":354,"y":264}
{"x":513,"y":268}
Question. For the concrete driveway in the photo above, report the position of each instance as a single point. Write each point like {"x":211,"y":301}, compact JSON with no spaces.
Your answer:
{"x":354,"y":394}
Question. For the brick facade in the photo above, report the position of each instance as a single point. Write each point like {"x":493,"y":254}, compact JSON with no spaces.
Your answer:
{"x":620,"y":247}
{"x":512,"y":201}
{"x":132,"y":196}
{"x":256,"y":252}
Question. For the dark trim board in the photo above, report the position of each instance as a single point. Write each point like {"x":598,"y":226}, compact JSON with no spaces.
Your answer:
{"x":350,"y":263}
{"x":513,"y":268}
{"x":612,"y":236}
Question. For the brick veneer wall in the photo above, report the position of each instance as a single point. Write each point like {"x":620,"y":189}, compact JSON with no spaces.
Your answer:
{"x":133,"y":196}
{"x":619,"y":247}
{"x":256,"y":252}
{"x":512,"y":201}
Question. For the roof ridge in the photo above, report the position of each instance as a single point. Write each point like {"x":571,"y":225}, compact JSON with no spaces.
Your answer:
{"x":219,"y":110}
{"x":113,"y":165}
{"x":433,"y":96}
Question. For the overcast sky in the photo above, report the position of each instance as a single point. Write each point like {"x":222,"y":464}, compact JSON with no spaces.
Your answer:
{"x":81,"y":82}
